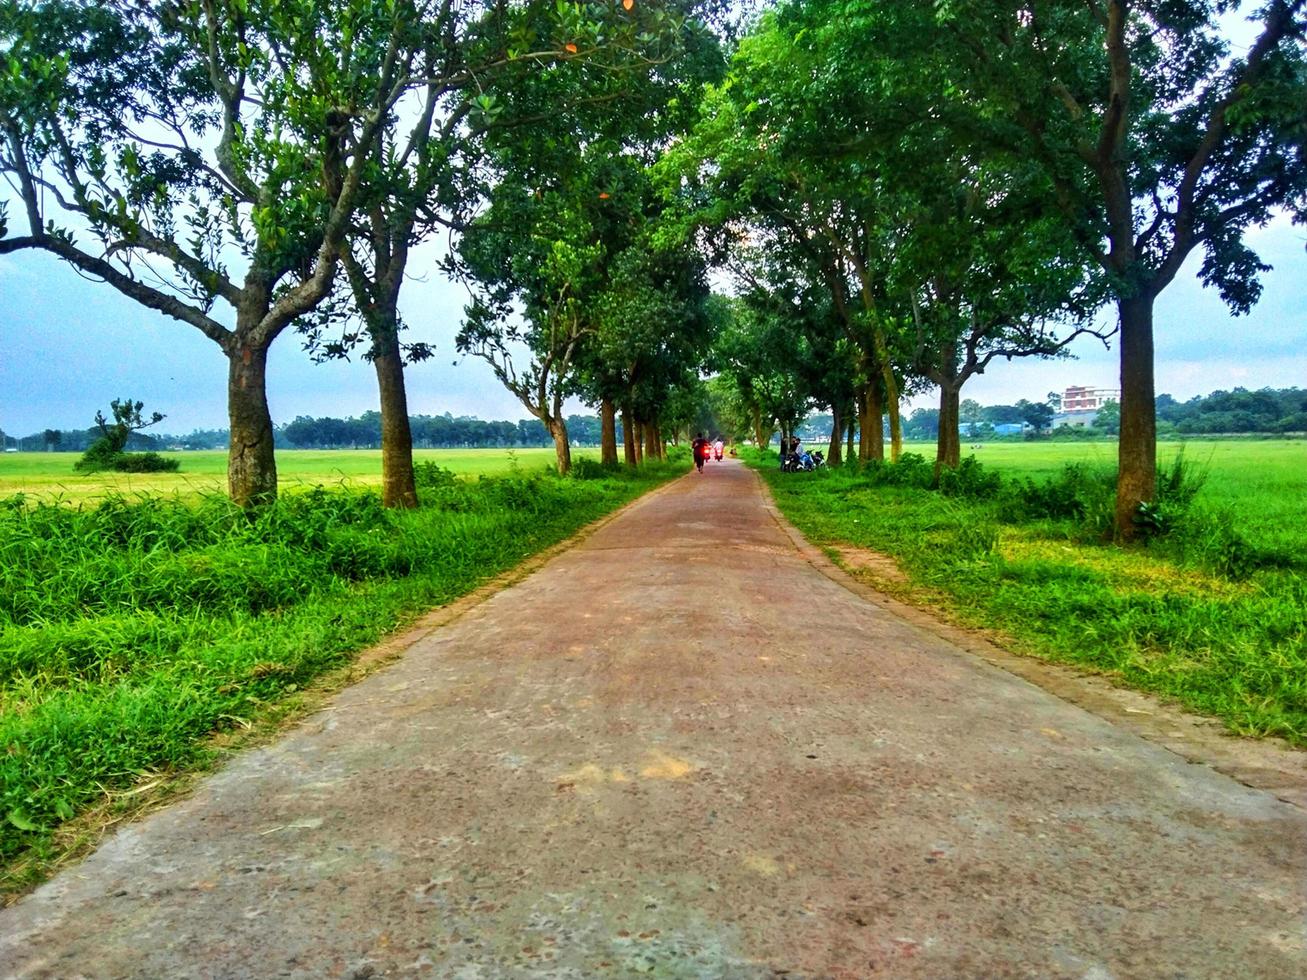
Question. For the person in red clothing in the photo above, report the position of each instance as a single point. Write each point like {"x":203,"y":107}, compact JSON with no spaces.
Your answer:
{"x":701,"y":450}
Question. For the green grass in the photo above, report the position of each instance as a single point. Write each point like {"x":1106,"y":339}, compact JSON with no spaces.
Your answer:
{"x":48,"y":476}
{"x":1213,"y":615}
{"x":134,"y":630}
{"x":1263,"y":481}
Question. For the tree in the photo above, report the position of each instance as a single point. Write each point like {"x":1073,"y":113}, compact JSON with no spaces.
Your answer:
{"x":1108,"y":418}
{"x":489,"y":68}
{"x":1037,"y":415}
{"x":561,"y":260}
{"x":1158,"y":140}
{"x":51,"y":438}
{"x":154,"y":146}
{"x":107,"y":452}
{"x":758,"y":169}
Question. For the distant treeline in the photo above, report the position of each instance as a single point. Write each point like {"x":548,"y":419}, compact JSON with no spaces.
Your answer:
{"x":1240,"y":410}
{"x":364,"y":432}
{"x":1269,"y":411}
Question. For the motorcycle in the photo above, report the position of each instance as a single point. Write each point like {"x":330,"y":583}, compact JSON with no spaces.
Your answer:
{"x":717,"y":454}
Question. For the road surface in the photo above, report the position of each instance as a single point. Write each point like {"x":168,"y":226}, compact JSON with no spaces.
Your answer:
{"x":678,"y":749}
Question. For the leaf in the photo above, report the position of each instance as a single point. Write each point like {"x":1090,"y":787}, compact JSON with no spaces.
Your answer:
{"x":570,"y":48}
{"x":628,"y":4}
{"x":64,"y":809}
{"x":22,"y":821}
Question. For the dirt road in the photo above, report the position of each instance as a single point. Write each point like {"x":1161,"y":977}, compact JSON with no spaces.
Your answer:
{"x":679,"y":750}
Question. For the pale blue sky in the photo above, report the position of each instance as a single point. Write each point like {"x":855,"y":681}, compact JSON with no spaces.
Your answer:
{"x":68,"y":346}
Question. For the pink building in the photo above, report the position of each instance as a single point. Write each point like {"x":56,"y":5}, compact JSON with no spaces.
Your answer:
{"x":1088,"y":399}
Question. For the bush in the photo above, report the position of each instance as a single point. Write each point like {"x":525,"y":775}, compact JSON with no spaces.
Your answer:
{"x":590,"y":469}
{"x":1080,"y":493}
{"x":101,"y":455}
{"x":969,"y":480}
{"x":145,"y":463}
{"x":429,"y":476}
{"x":912,"y":470}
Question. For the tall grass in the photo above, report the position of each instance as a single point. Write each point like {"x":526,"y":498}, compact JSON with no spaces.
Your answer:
{"x":132,"y":630}
{"x":1200,"y":613}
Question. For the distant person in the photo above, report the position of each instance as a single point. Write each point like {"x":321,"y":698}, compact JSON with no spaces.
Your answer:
{"x":717,"y":448}
{"x":700,"y":446}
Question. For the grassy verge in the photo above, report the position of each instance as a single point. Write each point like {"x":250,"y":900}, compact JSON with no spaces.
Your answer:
{"x":1199,"y":615}
{"x":135,"y":633}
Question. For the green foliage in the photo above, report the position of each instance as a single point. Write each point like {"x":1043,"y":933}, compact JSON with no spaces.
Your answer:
{"x":133,"y":630}
{"x":968,"y":479}
{"x":106,"y":452}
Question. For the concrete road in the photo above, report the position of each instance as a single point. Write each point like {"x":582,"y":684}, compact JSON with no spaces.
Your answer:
{"x":679,"y":750}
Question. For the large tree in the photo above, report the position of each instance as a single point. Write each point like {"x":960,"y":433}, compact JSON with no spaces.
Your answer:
{"x":1160,"y":137}
{"x":489,"y":69}
{"x":201,"y":155}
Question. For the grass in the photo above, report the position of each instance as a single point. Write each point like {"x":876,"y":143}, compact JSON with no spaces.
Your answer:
{"x":1263,"y":481}
{"x":50,"y":476}
{"x":136,"y":631}
{"x":1212,"y":615}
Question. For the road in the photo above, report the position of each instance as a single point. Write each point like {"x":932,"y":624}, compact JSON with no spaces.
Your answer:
{"x":678,"y":749}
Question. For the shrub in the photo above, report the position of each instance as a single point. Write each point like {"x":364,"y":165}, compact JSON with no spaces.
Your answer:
{"x":429,"y":476}
{"x":1079,"y":492}
{"x":145,"y":463}
{"x":590,"y":469}
{"x":969,"y":480}
{"x":101,"y":456}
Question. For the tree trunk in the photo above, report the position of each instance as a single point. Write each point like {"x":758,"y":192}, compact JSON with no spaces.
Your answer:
{"x":758,"y":439}
{"x":948,"y":451}
{"x":1136,"y":480}
{"x":398,"y":488}
{"x":871,"y":429}
{"x":607,"y":433}
{"x":651,"y":440}
{"x":639,"y":443}
{"x":836,"y":436}
{"x":251,"y":463}
{"x":891,"y":406}
{"x":850,"y":451}
{"x":562,"y":448}
{"x":864,"y":424}
{"x":876,"y":422}
{"x":628,"y":437}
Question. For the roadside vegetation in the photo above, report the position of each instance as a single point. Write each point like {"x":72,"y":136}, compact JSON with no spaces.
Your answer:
{"x":1209,"y":609}
{"x":135,"y":630}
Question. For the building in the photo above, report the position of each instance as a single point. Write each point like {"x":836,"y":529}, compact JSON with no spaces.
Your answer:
{"x":1088,"y":399}
{"x":1074,"y":420}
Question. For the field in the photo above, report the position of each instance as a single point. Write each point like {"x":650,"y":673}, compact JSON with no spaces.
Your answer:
{"x":143,"y":634}
{"x":1211,"y":613}
{"x":1264,"y":482}
{"x":50,"y":475}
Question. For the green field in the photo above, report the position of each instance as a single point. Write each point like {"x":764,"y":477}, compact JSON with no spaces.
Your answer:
{"x":50,"y":475}
{"x":1212,"y":614}
{"x":1263,"y":481}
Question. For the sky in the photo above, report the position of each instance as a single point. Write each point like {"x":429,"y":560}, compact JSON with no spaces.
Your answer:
{"x":68,"y":346}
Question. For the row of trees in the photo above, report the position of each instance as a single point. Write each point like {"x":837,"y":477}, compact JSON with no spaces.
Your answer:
{"x":249,"y":167}
{"x":907,"y":193}
{"x":433,"y":432}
